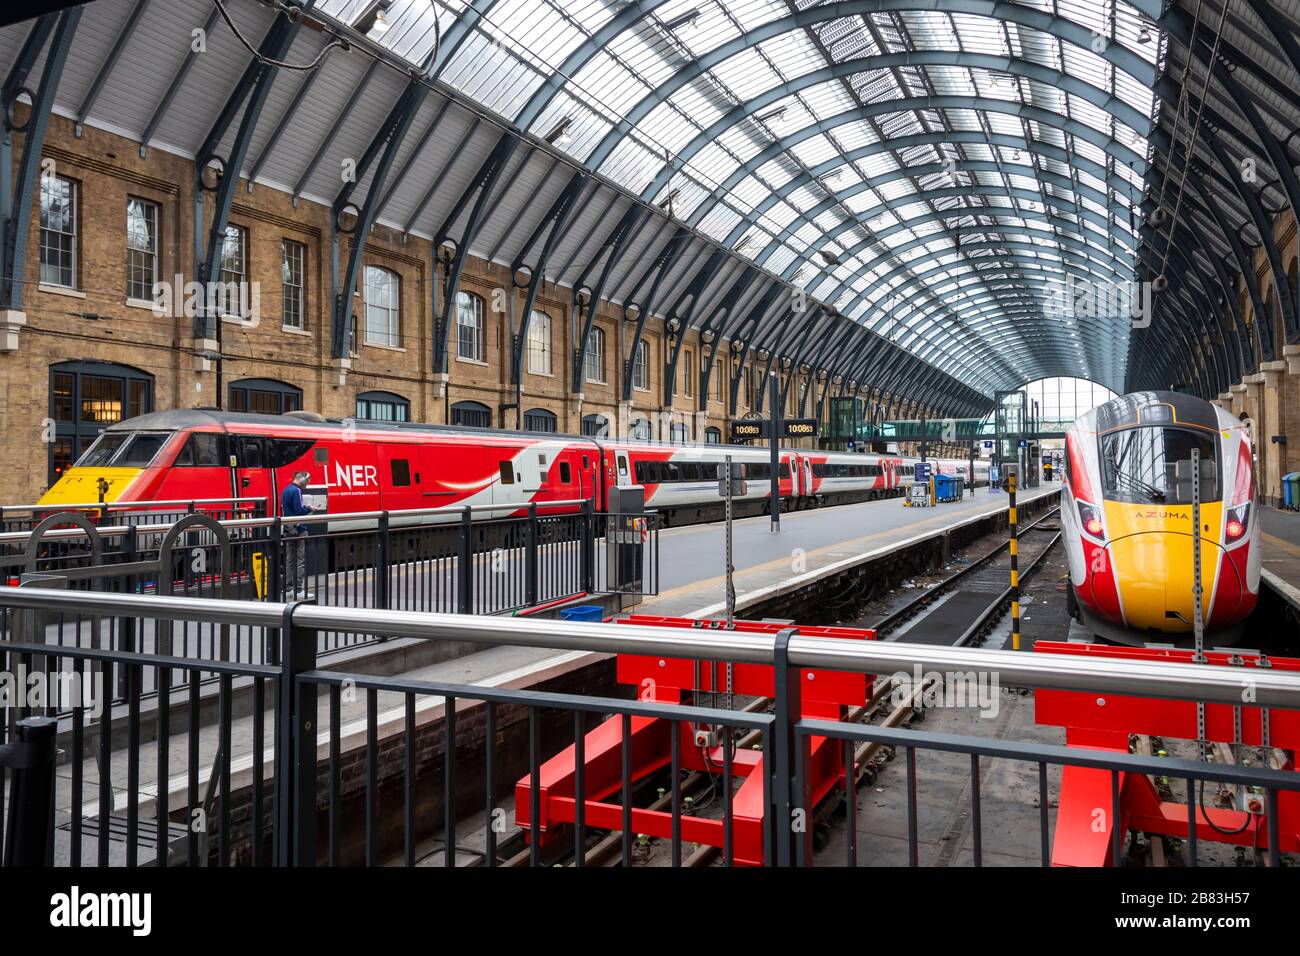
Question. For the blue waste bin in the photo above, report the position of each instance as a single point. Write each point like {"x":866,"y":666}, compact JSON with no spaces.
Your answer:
{"x":583,"y":612}
{"x":1291,"y":491}
{"x":947,"y":487}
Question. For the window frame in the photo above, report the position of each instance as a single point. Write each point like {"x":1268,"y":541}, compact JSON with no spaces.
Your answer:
{"x":148,"y":205}
{"x":480,"y":327}
{"x":74,"y":236}
{"x":541,"y":414}
{"x":393,"y":311}
{"x":465,"y":406}
{"x":241,"y":233}
{"x":372,"y":398}
{"x":538,"y":343}
{"x":641,"y":366}
{"x":595,"y":350}
{"x":286,"y":285}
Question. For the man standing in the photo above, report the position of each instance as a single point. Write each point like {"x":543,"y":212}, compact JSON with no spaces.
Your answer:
{"x":295,"y":537}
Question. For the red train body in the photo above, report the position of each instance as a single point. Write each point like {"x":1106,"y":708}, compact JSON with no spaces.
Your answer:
{"x":370,"y":466}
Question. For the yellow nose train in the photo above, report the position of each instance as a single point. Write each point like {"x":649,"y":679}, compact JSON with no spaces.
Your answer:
{"x":1126,"y":518}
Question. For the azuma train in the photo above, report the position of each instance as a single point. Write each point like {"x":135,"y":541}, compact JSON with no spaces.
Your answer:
{"x":1126,"y":518}
{"x":193,"y":454}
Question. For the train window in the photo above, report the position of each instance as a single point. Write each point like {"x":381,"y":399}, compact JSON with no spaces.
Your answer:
{"x":642,"y":473}
{"x":283,"y":452}
{"x":565,"y":474}
{"x":690,"y":471}
{"x":785,"y":470}
{"x":670,"y":471}
{"x":203,"y":450}
{"x":141,"y":451}
{"x":1139,"y":465}
{"x":507,"y":473}
{"x":400,"y":469}
{"x":104,"y":448}
{"x":249,"y":452}
{"x":586,"y":463}
{"x":322,"y":455}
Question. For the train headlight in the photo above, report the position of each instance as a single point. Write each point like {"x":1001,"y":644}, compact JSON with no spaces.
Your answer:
{"x":1238,"y":521}
{"x":1090,"y":518}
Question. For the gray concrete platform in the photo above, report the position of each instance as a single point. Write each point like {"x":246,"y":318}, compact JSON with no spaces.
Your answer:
{"x":811,"y":545}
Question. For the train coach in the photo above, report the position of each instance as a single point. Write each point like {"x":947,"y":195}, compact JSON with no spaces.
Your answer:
{"x":1126,"y":519}
{"x":191,"y":454}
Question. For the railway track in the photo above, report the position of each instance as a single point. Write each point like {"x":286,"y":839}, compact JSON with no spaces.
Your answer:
{"x":968,"y":602}
{"x":987,"y":576}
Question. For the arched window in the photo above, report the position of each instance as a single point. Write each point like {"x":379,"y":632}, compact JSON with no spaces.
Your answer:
{"x":540,"y":420}
{"x":383,"y":407}
{"x":595,"y":426}
{"x":594,"y":365}
{"x":469,"y":327}
{"x":87,"y":397}
{"x":472,"y":414}
{"x":712,"y":436}
{"x":640,"y":429}
{"x":383,"y":307}
{"x":641,"y":366}
{"x":264,"y":396}
{"x":539,"y":343}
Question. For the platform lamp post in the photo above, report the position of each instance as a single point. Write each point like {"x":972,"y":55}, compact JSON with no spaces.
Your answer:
{"x":774,"y":399}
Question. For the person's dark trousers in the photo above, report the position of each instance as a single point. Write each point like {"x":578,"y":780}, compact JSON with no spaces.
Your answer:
{"x":295,"y":563}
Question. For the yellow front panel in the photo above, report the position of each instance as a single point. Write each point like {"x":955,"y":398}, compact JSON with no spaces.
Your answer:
{"x":1151,"y":546}
{"x":80,"y":486}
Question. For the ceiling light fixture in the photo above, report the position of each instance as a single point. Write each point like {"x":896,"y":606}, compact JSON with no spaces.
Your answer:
{"x":561,"y":135}
{"x":688,"y":19}
{"x":372,"y":19}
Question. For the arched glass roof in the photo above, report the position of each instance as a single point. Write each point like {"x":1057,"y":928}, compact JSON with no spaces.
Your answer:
{"x":900,"y":161}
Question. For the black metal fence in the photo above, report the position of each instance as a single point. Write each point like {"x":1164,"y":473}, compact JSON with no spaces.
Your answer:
{"x":285,"y":762}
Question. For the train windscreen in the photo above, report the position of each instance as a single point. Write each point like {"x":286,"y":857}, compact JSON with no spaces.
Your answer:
{"x":124,"y":450}
{"x":1138,"y":465}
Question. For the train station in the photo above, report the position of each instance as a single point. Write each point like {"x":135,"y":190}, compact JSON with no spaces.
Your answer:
{"x":652,"y":434}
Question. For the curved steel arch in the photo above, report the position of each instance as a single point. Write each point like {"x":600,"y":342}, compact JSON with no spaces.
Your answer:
{"x":940,"y":137}
{"x":1070,"y":251}
{"x":1085,"y":266}
{"x":1108,"y":144}
{"x":958,"y":212}
{"x":1027,"y":69}
{"x":941,"y":216}
{"x":884,"y":179}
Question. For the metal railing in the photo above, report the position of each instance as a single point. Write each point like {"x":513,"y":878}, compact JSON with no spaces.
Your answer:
{"x":453,"y":560}
{"x":368,"y":752}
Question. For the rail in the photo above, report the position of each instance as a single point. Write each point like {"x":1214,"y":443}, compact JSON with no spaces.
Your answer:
{"x":1211,"y":683}
{"x":351,"y":517}
{"x":271,"y":786}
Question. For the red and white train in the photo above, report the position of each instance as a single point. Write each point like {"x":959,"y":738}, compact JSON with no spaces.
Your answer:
{"x":371,"y":466}
{"x":1126,"y":519}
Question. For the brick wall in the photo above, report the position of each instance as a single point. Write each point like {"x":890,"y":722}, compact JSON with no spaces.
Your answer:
{"x":95,"y":322}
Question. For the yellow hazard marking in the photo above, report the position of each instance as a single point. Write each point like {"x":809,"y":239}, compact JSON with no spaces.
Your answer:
{"x":1014,"y":545}
{"x":1015,"y":578}
{"x":1012,"y":516}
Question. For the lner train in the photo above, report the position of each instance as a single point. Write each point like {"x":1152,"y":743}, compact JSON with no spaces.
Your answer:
{"x":370,"y":466}
{"x":1127,"y":519}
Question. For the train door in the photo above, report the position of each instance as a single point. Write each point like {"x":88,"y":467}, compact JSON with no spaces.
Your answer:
{"x":253,"y":477}
{"x":622,"y":470}
{"x":400,"y":478}
{"x":806,"y":470}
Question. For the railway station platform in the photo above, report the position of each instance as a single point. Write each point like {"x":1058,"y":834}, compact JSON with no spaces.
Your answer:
{"x":812,"y":546}
{"x":1280,"y":566}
